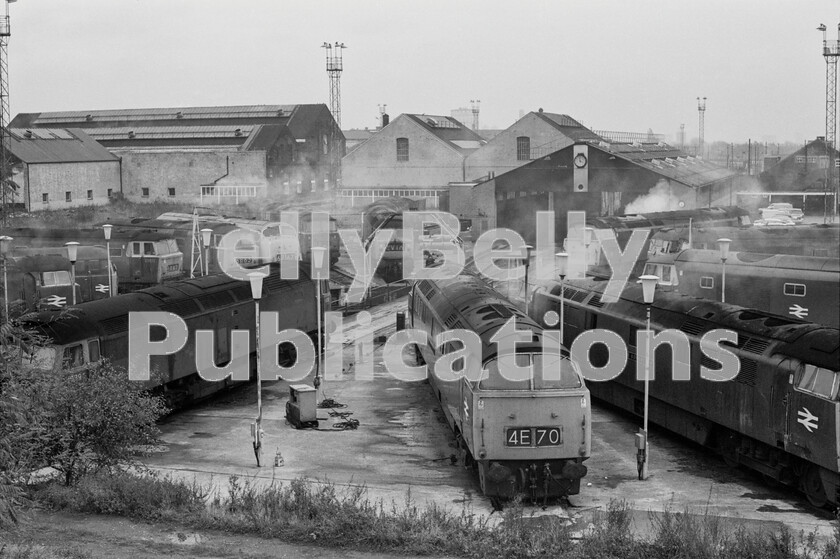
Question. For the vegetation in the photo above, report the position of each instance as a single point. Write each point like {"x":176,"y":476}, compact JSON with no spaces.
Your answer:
{"x":74,"y":423}
{"x":345,"y":517}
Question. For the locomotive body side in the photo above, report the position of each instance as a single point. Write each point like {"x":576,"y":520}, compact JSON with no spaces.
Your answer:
{"x":805,"y":287}
{"x":91,"y":331}
{"x":778,"y":416}
{"x":525,"y":436}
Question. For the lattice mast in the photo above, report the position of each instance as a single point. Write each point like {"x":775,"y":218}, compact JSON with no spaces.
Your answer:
{"x":701,"y":109}
{"x":335,"y":65}
{"x":831,"y":51}
{"x":7,"y":197}
{"x":474,"y":106}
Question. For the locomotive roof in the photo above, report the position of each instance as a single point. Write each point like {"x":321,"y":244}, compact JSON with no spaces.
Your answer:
{"x":467,"y":302}
{"x":758,"y":260}
{"x":183,"y":298}
{"x":83,"y":252}
{"x":40,"y":263}
{"x":812,"y":342}
{"x":118,"y":233}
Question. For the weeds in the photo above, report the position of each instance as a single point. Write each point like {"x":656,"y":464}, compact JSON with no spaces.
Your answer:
{"x":304,"y":510}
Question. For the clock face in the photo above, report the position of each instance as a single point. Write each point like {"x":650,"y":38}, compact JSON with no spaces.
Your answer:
{"x":580,"y":160}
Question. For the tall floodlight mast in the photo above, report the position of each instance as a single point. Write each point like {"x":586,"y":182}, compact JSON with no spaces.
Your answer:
{"x":831,"y":50}
{"x":474,"y":107}
{"x":701,"y":108}
{"x":8,"y":192}
{"x":335,"y":65}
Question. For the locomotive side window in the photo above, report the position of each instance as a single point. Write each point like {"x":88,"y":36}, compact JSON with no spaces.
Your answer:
{"x":148,"y":248}
{"x":74,"y":356}
{"x":819,"y":381}
{"x":51,"y":279}
{"x":707,"y":282}
{"x":795,"y":289}
{"x":136,"y":249}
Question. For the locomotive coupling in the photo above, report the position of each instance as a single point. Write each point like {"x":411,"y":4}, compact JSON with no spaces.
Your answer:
{"x":573,"y":470}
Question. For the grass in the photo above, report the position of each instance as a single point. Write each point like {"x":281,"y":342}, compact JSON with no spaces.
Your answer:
{"x":346,"y":517}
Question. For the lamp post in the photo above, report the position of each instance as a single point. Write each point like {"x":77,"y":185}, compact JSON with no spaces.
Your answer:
{"x":562,"y":269}
{"x":107,"y":229}
{"x":528,"y":249}
{"x":318,"y":259}
{"x":648,"y":289}
{"x":72,"y":248}
{"x":256,"y":279}
{"x":205,"y":241}
{"x":5,"y":245}
{"x":723,"y":245}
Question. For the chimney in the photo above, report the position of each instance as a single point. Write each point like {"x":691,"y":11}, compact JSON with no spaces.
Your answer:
{"x":385,"y":120}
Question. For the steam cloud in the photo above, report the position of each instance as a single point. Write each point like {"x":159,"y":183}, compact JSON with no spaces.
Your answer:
{"x":657,"y":200}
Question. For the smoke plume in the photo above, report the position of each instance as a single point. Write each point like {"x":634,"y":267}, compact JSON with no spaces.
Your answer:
{"x":657,"y":200}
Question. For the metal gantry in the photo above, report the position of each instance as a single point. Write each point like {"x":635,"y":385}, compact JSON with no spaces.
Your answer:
{"x":335,"y":65}
{"x":831,"y":51}
{"x":8,"y":193}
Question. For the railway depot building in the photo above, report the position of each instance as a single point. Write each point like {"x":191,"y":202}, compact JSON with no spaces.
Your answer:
{"x":531,"y":137}
{"x":597,"y":177}
{"x":800,"y":178}
{"x":213,"y":154}
{"x":54,"y":168}
{"x":414,"y":156}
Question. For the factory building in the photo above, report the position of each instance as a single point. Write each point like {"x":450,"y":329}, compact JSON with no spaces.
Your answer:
{"x":799,"y":178}
{"x":53,"y":168}
{"x":415,"y":156}
{"x":597,"y":177}
{"x":534,"y":135}
{"x":213,"y":154}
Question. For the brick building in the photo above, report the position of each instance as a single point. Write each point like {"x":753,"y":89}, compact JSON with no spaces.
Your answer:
{"x":213,"y":154}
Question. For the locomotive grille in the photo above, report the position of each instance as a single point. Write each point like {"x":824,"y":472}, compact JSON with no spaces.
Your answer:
{"x":694,"y":327}
{"x":426,"y":288}
{"x":595,"y":301}
{"x":115,"y":325}
{"x":748,"y":373}
{"x":709,"y":363}
{"x":753,"y":345}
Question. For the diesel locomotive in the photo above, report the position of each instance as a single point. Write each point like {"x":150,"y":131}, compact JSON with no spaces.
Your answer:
{"x":524,"y":435}
{"x":89,"y":332}
{"x":805,"y":287}
{"x":779,"y":416}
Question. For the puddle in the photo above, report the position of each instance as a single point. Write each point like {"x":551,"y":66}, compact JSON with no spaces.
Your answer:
{"x":201,"y":435}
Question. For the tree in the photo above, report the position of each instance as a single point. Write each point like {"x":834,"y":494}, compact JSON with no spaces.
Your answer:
{"x":74,"y":421}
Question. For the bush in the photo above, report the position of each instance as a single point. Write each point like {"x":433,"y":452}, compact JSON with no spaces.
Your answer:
{"x":74,"y":422}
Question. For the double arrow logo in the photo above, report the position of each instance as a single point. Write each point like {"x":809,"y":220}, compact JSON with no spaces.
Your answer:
{"x":798,"y":312}
{"x":102,"y":288}
{"x":56,"y":301}
{"x":808,"y":420}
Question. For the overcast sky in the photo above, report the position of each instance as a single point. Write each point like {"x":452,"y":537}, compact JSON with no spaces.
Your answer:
{"x":612,"y":64}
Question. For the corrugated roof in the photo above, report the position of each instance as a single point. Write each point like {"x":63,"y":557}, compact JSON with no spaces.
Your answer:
{"x":670,"y":162}
{"x":167,"y":113}
{"x":449,"y":130}
{"x":560,"y":120}
{"x":170,"y":132}
{"x":47,"y":145}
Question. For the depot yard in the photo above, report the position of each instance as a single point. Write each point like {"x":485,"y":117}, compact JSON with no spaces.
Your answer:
{"x":403,"y":447}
